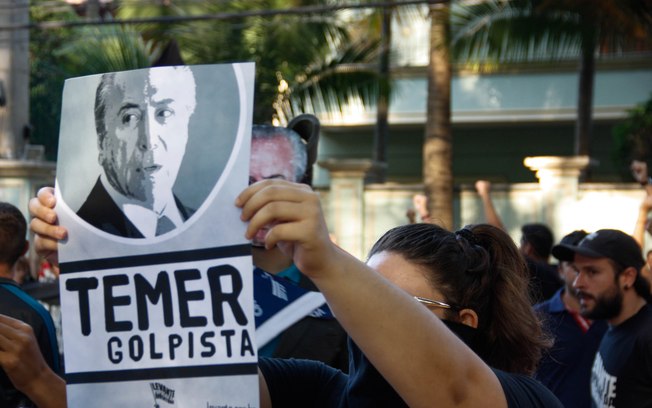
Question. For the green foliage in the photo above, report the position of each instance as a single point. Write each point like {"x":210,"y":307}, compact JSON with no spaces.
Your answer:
{"x":58,"y":54}
{"x":46,"y":75}
{"x":105,"y":49}
{"x":527,"y":30}
{"x":326,"y":85}
{"x":304,"y":63}
{"x":633,"y":138}
{"x":159,"y":32}
{"x":498,"y":31}
{"x":287,"y":49}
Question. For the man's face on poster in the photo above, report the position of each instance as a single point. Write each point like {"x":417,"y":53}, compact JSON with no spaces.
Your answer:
{"x":271,"y":158}
{"x":146,"y":119}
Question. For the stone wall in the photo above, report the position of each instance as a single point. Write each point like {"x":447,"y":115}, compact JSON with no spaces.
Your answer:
{"x":359,"y":213}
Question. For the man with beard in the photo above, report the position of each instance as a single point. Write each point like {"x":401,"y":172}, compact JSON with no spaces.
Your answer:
{"x":610,"y":286}
{"x":566,"y":368}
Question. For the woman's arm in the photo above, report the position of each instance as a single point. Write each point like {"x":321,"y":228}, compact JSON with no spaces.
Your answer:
{"x":483,"y":188}
{"x":412,"y":348}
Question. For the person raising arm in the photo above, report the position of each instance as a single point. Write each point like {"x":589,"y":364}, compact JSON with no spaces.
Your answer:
{"x":381,"y":305}
{"x":400,"y":345}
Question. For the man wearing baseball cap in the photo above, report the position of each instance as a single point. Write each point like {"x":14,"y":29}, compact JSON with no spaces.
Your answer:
{"x":609,"y":286}
{"x":566,"y":368}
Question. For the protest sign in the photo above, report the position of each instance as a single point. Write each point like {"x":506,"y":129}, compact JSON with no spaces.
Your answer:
{"x":156,"y":283}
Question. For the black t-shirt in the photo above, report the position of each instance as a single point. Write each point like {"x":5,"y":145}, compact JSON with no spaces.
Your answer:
{"x":544,"y":280}
{"x":303,"y":383}
{"x":622,"y":370}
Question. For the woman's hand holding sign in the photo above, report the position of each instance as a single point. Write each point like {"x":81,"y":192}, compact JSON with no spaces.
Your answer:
{"x":297,"y":223}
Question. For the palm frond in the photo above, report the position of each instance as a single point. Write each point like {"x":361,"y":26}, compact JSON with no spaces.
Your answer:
{"x":513,"y":31}
{"x":527,"y":30}
{"x":105,"y":49}
{"x":330,"y":85}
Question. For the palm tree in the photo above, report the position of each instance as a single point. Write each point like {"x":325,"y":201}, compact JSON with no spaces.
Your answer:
{"x":518,"y":30}
{"x":305,"y":63}
{"x":438,"y":142}
{"x":105,"y":49}
{"x":379,"y":25}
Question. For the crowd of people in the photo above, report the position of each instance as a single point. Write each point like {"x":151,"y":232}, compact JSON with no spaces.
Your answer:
{"x":462,"y":318}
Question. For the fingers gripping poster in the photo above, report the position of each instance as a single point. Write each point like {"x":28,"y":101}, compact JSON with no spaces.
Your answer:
{"x":156,"y":275}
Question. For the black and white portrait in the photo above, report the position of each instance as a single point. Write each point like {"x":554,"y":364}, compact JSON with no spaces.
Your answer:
{"x":162,"y":140}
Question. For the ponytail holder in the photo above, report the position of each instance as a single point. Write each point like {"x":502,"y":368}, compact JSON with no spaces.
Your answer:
{"x":467,"y":234}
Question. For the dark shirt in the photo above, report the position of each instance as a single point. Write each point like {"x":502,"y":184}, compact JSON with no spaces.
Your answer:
{"x":14,"y":302}
{"x":312,"y":338}
{"x":622,"y":371}
{"x":566,"y":368}
{"x":303,"y":383}
{"x":544,"y":280}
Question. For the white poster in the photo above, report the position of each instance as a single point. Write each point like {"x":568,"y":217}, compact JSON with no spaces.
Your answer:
{"x":156,"y":276}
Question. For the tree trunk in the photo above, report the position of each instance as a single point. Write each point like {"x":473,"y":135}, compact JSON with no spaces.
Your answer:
{"x":92,"y":9}
{"x":585,"y":95}
{"x":437,"y":147}
{"x":381,"y":134}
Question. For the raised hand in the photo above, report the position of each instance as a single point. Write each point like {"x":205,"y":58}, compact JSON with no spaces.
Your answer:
{"x":44,"y":225}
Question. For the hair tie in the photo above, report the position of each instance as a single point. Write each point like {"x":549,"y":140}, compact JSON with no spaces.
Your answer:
{"x":467,"y":234}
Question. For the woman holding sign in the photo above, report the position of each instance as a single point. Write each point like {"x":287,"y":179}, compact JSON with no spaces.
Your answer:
{"x":419,"y":279}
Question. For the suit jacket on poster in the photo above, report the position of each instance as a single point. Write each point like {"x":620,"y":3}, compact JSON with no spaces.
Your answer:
{"x":101,"y":211}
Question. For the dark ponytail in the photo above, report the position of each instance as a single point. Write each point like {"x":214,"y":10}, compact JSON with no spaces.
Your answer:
{"x":515,"y":338}
{"x":478,"y":268}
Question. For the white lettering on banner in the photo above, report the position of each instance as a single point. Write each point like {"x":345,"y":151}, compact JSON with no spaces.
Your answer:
{"x":603,"y":385}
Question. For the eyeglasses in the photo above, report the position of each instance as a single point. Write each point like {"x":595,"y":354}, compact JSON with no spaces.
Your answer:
{"x":434,"y":303}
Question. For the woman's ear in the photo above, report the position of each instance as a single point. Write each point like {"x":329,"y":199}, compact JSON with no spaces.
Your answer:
{"x":468,"y":317}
